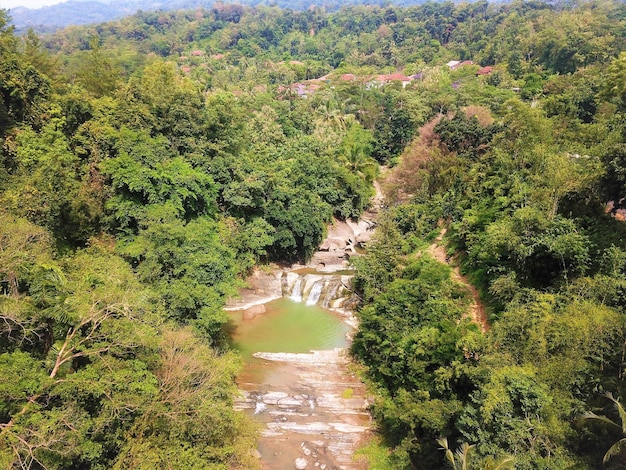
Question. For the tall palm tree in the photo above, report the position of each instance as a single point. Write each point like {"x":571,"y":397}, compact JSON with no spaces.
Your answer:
{"x":619,"y":446}
{"x":460,"y":459}
{"x":356,"y":160}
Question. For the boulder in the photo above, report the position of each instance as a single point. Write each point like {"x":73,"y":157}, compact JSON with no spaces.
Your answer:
{"x":301,"y":464}
{"x":253,"y":311}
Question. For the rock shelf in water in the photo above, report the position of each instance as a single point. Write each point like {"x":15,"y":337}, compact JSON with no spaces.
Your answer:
{"x":319,"y":414}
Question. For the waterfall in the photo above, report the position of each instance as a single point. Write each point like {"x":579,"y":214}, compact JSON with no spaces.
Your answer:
{"x":296,"y":292}
{"x":315,"y":293}
{"x":332,"y":294}
{"x":316,"y":288}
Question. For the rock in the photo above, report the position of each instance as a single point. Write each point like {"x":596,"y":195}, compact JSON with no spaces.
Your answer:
{"x":336,"y":243}
{"x":262,"y":287}
{"x":289,"y":402}
{"x":253,"y":311}
{"x":301,"y":464}
{"x":272,"y":398}
{"x":306,"y":451}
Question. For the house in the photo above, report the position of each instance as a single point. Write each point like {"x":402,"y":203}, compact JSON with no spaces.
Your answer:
{"x":455,"y":64}
{"x":380,"y":80}
{"x":485,"y":70}
{"x":397,"y":77}
{"x":300,"y":89}
{"x":197,"y":53}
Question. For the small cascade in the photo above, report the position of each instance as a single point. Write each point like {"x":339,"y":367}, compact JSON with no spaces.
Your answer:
{"x":315,"y":288}
{"x":331,"y":294}
{"x":296,"y":292}
{"x":259,"y":407}
{"x":315,"y":293}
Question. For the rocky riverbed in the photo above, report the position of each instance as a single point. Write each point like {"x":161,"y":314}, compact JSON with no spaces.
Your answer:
{"x":312,"y":407}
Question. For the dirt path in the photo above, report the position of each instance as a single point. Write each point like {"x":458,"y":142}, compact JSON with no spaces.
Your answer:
{"x":476,"y":311}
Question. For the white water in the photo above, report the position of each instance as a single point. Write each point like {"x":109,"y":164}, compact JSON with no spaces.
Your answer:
{"x":296,"y":293}
{"x":315,"y":293}
{"x":259,"y":407}
{"x":332,"y":293}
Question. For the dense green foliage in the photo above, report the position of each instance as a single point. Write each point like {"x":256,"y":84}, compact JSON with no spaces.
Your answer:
{"x":131,"y":208}
{"x":524,"y":188}
{"x":148,"y":164}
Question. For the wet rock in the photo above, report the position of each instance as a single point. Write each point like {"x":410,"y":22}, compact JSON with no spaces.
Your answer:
{"x":253,"y":311}
{"x":289,"y":402}
{"x":262,"y":287}
{"x":272,"y":398}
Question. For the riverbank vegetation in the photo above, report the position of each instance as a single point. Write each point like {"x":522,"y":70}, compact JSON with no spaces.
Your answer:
{"x":148,"y":164}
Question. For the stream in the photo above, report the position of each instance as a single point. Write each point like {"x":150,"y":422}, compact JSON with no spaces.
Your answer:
{"x":296,"y":380}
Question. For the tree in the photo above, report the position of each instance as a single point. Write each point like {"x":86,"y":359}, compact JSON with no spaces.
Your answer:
{"x":84,"y":320}
{"x":618,"y":448}
{"x":189,"y":265}
{"x":393,"y":129}
{"x":97,"y":72}
{"x":22,"y":246}
{"x":189,"y":424}
{"x":459,"y":460}
{"x":45,"y":186}
{"x":356,"y":153}
{"x":23,"y":89}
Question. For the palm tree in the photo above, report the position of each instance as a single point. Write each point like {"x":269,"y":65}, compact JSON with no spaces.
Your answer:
{"x":503,"y":463}
{"x":620,"y":445}
{"x":357,"y":161}
{"x":460,"y":459}
{"x":328,"y":115}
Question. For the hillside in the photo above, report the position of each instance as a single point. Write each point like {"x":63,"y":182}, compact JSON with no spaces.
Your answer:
{"x":148,"y":164}
{"x":81,"y":12}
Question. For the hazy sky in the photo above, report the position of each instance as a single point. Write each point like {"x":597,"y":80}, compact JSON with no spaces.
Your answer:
{"x":27,"y":3}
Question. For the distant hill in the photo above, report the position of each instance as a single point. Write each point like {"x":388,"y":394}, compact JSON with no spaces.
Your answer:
{"x":77,"y":12}
{"x":80,"y":12}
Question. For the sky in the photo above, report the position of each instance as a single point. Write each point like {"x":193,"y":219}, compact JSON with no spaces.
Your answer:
{"x":27,"y":3}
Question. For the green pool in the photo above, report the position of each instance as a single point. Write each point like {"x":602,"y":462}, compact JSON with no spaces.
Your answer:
{"x":287,"y":326}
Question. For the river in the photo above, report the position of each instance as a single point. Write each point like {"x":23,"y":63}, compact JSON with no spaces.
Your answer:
{"x":298,"y":383}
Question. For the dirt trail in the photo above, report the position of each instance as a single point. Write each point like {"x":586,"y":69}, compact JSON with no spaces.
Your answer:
{"x":476,"y":311}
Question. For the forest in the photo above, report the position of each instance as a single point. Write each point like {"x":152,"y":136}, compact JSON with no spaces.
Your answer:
{"x":149,"y":163}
